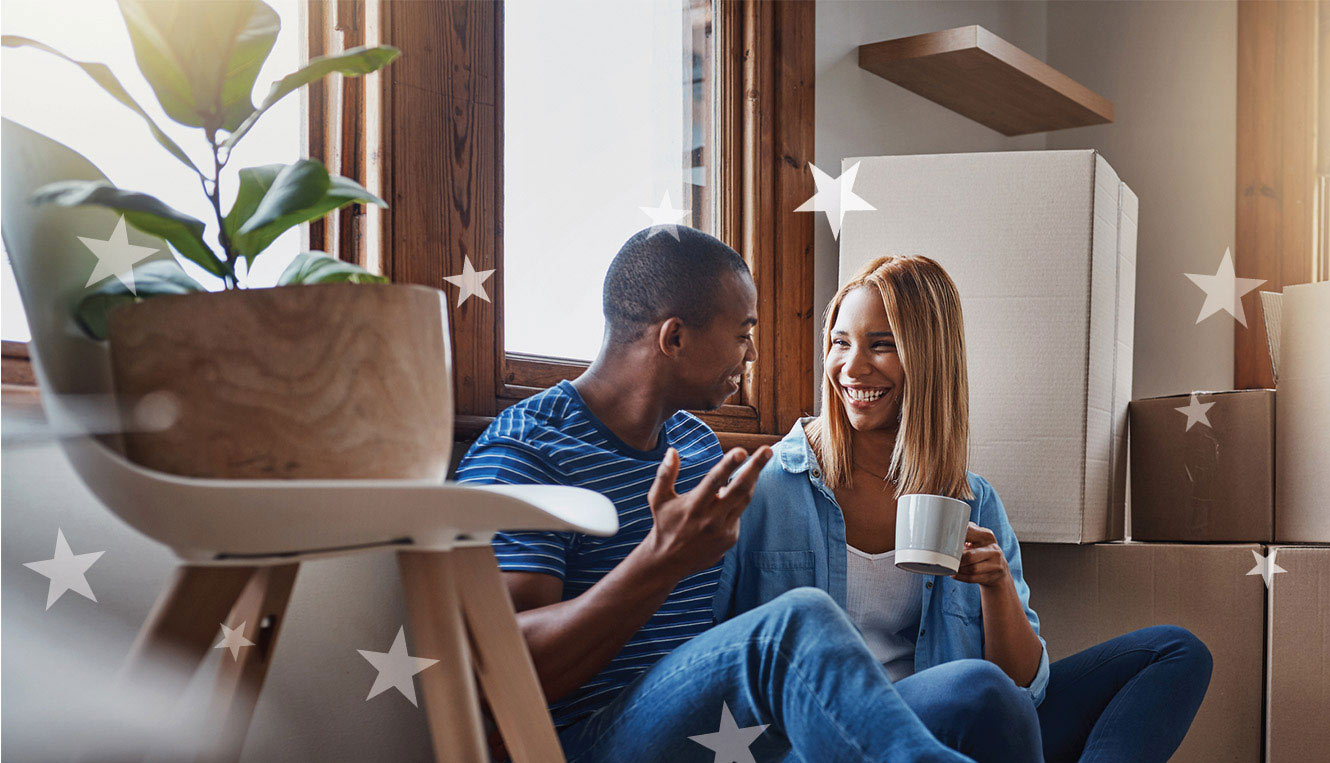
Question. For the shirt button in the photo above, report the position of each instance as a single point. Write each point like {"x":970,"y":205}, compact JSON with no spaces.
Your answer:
{"x":929,"y":584}
{"x":816,"y":473}
{"x":922,"y":630}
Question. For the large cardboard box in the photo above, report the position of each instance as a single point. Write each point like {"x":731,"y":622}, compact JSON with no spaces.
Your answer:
{"x":1298,"y":656}
{"x":1302,"y":418}
{"x":1085,"y":595}
{"x":1203,"y":467}
{"x":1042,"y":246}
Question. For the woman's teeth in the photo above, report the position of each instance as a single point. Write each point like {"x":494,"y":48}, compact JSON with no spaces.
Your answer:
{"x":864,"y":395}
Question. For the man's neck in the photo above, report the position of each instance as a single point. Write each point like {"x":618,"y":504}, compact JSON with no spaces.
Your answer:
{"x":626,"y":395}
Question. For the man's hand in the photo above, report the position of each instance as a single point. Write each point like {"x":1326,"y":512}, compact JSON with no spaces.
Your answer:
{"x":982,"y":561}
{"x":693,"y":531}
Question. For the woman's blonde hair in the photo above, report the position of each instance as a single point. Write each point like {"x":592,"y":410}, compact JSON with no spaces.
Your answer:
{"x":932,"y":441}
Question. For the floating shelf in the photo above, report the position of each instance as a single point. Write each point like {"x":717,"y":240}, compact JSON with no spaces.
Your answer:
{"x":977,"y":74}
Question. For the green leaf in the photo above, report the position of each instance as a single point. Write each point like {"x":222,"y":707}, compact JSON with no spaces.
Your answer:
{"x":144,"y":212}
{"x":252,"y":229}
{"x":102,"y":75}
{"x":296,"y":187}
{"x":201,"y":59}
{"x":151,"y":279}
{"x":318,"y":267}
{"x":351,"y":63}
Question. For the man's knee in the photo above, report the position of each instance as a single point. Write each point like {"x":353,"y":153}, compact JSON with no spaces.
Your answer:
{"x":800,"y":610}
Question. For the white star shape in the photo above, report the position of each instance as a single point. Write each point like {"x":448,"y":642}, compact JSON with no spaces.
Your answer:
{"x":396,"y":668}
{"x":116,"y":256}
{"x":665,"y":217}
{"x":1265,"y":566}
{"x":66,"y":570}
{"x":1195,"y":411}
{"x":233,"y":639}
{"x":470,"y":282}
{"x":835,"y":196}
{"x":1224,"y":290}
{"x":730,"y":743}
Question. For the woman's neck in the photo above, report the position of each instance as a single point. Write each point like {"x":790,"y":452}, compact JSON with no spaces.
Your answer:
{"x":872,"y":448}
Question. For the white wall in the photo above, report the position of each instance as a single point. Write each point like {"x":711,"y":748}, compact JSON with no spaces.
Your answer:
{"x":861,"y":114}
{"x":1170,"y":70}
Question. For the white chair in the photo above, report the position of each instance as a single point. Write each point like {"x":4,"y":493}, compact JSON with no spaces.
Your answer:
{"x":241,"y":541}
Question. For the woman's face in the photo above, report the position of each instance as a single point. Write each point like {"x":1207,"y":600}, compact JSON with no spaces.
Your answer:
{"x":862,"y":362}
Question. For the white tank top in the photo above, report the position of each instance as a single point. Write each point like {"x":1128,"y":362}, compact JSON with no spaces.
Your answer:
{"x":884,"y":601}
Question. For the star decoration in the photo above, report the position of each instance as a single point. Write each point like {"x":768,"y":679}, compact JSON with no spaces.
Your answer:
{"x":470,"y":282}
{"x":233,"y":639}
{"x":730,"y":743}
{"x":116,"y":256}
{"x":1195,"y":411}
{"x":396,"y":668}
{"x":1265,"y":566}
{"x":835,"y":196}
{"x":1224,"y":290}
{"x":665,"y":217}
{"x":66,"y":570}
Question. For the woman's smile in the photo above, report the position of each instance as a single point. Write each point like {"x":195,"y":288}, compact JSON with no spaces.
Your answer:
{"x":863,"y":397}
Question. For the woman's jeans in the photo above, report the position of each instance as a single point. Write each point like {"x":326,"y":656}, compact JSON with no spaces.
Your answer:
{"x":798,"y":666}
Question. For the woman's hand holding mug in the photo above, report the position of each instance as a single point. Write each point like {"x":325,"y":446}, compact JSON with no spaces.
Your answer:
{"x":982,"y":561}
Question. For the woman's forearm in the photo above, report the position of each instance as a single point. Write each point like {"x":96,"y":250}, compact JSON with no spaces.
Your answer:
{"x":1009,"y":641}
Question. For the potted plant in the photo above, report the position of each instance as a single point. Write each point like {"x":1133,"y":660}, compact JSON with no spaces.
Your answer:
{"x":334,"y":372}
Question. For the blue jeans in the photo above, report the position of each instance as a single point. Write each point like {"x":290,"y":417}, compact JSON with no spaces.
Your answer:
{"x":798,"y":664}
{"x":795,"y":663}
{"x":1131,"y":698}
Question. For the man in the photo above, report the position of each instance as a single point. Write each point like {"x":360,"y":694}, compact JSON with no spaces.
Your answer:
{"x":619,"y":628}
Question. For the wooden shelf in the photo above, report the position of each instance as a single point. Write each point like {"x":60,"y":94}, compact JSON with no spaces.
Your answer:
{"x":977,"y":74}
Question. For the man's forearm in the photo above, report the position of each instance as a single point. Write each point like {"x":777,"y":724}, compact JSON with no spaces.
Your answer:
{"x":572,"y":640}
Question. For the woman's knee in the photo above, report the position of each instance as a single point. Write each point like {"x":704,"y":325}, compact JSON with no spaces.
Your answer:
{"x":993,"y":702}
{"x":1176,"y":642}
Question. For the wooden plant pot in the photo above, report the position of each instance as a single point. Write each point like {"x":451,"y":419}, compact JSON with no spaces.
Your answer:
{"x":328,"y":381}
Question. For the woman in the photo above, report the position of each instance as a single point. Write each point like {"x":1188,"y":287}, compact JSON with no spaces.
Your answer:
{"x":894,"y":421}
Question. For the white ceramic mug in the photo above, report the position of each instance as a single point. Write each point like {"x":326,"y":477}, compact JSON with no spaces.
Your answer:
{"x":930,"y":533}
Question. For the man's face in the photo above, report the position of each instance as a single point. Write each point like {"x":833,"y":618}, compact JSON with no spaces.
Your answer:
{"x":712,"y":358}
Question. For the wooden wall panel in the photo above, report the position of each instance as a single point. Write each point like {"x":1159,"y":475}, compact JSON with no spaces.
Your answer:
{"x":444,"y":156}
{"x":1276,"y":163}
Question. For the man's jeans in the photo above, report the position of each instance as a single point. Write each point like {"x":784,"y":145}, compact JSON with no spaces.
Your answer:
{"x":798,"y":664}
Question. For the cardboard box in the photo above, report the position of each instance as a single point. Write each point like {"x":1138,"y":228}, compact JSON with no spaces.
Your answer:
{"x":1208,"y":476}
{"x":1302,"y":418}
{"x":1085,"y":595}
{"x":1042,"y":246}
{"x":1297,"y":720}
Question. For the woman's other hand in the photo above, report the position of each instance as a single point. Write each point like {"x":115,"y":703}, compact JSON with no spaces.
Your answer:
{"x":982,"y":561}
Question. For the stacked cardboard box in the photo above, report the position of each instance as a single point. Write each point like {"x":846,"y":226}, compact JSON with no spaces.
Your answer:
{"x":1042,"y":248}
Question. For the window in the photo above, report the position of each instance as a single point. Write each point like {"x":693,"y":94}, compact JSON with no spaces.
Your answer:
{"x":593,"y":133}
{"x":446,"y":141}
{"x":59,"y":100}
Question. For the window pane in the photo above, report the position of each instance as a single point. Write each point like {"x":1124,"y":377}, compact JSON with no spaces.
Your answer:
{"x":608,"y":106}
{"x":57,"y":99}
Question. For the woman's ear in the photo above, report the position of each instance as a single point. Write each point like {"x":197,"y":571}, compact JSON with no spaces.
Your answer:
{"x":669,"y":338}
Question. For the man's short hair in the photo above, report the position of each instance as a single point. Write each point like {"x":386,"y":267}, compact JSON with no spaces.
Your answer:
{"x":655,"y":277}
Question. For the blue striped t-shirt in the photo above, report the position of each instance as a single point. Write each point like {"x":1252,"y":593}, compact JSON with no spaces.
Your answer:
{"x":553,"y":438}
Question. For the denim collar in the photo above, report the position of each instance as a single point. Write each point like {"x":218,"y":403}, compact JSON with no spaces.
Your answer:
{"x":794,"y":452}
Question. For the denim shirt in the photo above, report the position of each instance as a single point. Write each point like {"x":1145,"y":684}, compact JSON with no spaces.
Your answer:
{"x":793,"y":535}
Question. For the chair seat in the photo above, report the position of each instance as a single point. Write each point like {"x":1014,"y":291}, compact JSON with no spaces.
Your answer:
{"x":215,"y":521}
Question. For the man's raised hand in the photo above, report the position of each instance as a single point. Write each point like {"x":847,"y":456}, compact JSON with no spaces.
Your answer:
{"x":692,"y":531}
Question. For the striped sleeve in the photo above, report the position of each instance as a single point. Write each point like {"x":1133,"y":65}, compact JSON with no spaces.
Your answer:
{"x":498,"y":462}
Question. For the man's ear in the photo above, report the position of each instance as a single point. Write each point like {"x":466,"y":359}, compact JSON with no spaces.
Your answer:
{"x":669,"y":338}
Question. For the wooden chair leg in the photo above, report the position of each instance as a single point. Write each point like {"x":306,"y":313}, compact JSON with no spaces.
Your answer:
{"x":452,"y":705}
{"x":262,"y":608}
{"x":174,"y":637}
{"x":502,"y":660}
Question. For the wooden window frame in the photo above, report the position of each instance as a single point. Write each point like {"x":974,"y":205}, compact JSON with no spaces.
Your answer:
{"x":432,"y":142}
